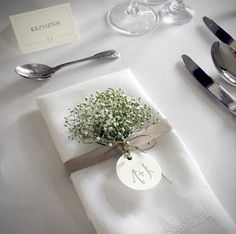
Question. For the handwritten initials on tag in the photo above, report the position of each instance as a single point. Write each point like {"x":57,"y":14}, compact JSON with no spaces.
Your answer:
{"x":141,"y":176}
{"x":142,"y":172}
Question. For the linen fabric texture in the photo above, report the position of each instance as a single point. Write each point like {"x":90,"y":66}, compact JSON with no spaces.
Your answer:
{"x":186,"y":205}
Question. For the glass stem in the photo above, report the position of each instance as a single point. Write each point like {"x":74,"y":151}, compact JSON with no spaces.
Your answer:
{"x":177,"y":5}
{"x":133,"y":8}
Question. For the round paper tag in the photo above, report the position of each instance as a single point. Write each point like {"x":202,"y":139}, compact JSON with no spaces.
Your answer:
{"x":142,"y":172}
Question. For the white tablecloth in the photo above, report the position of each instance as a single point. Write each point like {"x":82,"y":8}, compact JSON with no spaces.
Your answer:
{"x":36,"y":196}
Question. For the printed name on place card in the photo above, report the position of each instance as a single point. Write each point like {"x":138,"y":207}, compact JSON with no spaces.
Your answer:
{"x":44,"y":28}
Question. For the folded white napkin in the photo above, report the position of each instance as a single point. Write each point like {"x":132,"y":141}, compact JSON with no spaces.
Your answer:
{"x":186,"y":205}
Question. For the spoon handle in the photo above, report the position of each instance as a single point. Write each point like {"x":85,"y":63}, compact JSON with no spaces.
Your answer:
{"x":109,"y":54}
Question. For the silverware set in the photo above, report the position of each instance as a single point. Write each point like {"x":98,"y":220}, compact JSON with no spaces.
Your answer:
{"x":224,"y":58}
{"x":224,"y":54}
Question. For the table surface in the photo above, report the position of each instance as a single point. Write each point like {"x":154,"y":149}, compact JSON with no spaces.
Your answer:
{"x":36,"y":196}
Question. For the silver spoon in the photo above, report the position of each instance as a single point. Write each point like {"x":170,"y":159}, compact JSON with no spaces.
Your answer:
{"x":224,"y":59}
{"x":42,"y":72}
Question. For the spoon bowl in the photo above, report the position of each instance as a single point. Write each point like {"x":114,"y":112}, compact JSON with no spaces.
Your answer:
{"x":35,"y":71}
{"x":38,"y":71}
{"x":224,"y":59}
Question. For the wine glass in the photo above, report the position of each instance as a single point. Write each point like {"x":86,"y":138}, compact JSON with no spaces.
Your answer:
{"x":132,"y":18}
{"x":176,"y":12}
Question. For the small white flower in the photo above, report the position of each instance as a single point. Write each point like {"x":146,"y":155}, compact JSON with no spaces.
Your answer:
{"x":99,"y":115}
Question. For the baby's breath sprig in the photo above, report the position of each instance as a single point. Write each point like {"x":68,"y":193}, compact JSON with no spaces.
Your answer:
{"x":109,"y":116}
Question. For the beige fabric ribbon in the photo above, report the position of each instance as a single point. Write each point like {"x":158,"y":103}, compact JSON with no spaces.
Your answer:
{"x":105,"y":152}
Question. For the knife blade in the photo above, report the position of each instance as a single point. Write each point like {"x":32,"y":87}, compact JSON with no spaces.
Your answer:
{"x":219,"y":32}
{"x":215,"y":89}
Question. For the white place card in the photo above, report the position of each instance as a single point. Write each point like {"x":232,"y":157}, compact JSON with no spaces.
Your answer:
{"x":44,"y":28}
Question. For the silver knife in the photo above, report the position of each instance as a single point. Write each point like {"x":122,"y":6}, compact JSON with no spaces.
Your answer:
{"x":219,"y":32}
{"x":215,"y":89}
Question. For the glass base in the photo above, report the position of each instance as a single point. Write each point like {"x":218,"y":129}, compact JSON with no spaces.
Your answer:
{"x":136,"y":20}
{"x":171,"y":15}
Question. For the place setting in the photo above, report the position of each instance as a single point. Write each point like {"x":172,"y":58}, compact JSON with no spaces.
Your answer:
{"x":138,"y":161}
{"x":117,"y":146}
{"x":128,"y":164}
